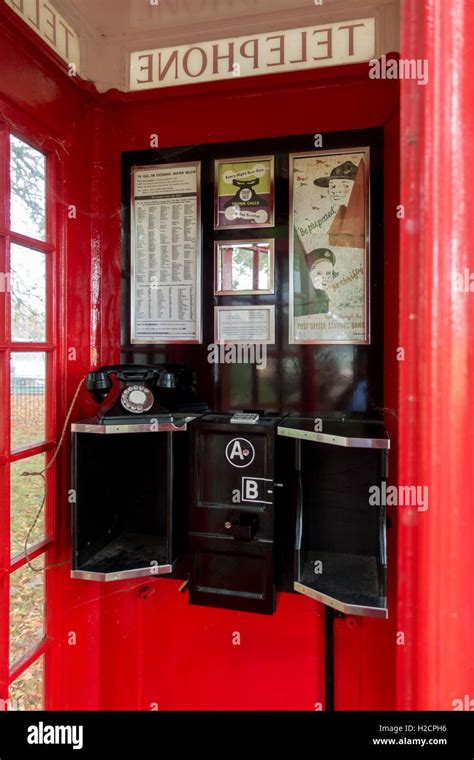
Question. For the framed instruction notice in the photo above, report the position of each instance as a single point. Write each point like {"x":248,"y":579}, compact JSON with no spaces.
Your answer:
{"x":166,"y":253}
{"x":244,"y":324}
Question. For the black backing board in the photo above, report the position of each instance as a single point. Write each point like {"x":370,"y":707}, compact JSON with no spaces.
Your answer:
{"x":302,"y":378}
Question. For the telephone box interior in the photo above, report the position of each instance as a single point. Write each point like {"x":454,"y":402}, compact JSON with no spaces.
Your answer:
{"x":305,"y":569}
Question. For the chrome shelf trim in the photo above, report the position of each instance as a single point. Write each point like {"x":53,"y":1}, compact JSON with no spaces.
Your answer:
{"x":142,"y":572}
{"x":335,"y":440}
{"x":348,"y":609}
{"x":165,"y":427}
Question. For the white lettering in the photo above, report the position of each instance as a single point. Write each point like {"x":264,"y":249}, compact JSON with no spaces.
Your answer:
{"x":46,"y":734}
{"x":251,"y":489}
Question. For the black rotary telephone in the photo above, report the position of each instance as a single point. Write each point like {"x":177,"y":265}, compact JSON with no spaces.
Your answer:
{"x":144,"y":391}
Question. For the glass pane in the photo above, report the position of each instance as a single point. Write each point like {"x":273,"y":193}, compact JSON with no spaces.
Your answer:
{"x":26,"y":693}
{"x":28,"y":185}
{"x":27,"y":608}
{"x":26,"y":495}
{"x":244,"y":267}
{"x":28,"y":395}
{"x":28,"y":294}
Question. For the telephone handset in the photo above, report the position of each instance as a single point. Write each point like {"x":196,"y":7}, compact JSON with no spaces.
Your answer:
{"x":135,"y":396}
{"x":145,"y":390}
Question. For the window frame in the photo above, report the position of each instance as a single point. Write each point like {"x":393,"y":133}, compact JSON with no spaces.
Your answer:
{"x":13,"y":121}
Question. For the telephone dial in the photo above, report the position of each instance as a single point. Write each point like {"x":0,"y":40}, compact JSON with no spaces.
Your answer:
{"x":143,"y":391}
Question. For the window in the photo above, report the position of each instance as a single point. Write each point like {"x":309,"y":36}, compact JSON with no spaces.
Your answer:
{"x":27,"y":424}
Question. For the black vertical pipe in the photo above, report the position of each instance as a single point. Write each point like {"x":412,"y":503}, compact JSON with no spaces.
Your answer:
{"x":329,"y":656}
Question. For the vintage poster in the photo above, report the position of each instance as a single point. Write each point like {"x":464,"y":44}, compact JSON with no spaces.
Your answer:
{"x":165,"y":254}
{"x":244,"y":193}
{"x":329,"y":247}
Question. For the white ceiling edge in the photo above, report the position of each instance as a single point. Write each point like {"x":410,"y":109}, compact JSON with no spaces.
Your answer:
{"x":105,"y":49}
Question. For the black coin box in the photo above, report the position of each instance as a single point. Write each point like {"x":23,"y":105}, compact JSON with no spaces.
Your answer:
{"x":232,"y":513}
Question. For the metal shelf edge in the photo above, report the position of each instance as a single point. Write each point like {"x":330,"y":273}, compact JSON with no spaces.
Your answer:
{"x":167,"y":427}
{"x":142,"y":572}
{"x":335,"y":440}
{"x":348,"y":609}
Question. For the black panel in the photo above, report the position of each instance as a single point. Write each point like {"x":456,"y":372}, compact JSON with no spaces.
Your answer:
{"x":211,"y":453}
{"x":231,"y":531}
{"x":336,"y":511}
{"x":231,"y":574}
{"x":298,"y":377}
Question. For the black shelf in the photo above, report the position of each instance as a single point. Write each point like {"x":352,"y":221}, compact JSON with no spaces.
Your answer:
{"x":129,"y":551}
{"x":352,"y":579}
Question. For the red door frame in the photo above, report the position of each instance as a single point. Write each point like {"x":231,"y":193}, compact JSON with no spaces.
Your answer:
{"x":17,"y":122}
{"x":37,"y":92}
{"x":436,"y":557}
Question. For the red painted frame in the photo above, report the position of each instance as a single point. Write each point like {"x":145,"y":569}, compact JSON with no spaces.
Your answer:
{"x":12,"y":121}
{"x":436,"y":559}
{"x":37,"y":93}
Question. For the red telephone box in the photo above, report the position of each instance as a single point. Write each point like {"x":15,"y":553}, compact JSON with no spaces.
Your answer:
{"x":71,"y":643}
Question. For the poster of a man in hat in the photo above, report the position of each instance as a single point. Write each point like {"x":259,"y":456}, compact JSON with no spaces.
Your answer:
{"x":346,"y":186}
{"x":329,"y":247}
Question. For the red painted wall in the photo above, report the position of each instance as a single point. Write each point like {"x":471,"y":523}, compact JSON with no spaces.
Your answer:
{"x":116,"y":648}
